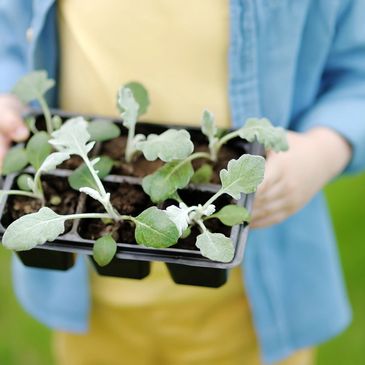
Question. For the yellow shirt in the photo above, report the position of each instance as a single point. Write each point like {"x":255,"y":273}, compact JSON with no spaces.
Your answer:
{"x":178,"y":50}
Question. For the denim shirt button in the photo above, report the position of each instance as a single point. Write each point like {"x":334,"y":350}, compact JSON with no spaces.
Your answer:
{"x":29,"y":34}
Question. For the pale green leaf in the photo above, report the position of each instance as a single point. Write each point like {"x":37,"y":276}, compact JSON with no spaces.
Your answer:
{"x":101,"y":130}
{"x":53,"y":160}
{"x":231,"y":215}
{"x":215,"y":246}
{"x":15,"y":160}
{"x":33,"y":86}
{"x":38,"y":149}
{"x":170,"y":145}
{"x":24,"y":182}
{"x":164,"y":182}
{"x":72,"y":137}
{"x":180,"y":216}
{"x":33,"y":229}
{"x":242,"y":175}
{"x":140,"y":95}
{"x":273,"y":138}
{"x":203,"y":174}
{"x":129,"y":107}
{"x":208,"y":125}
{"x":82,"y":177}
{"x":104,"y":250}
{"x":155,"y":229}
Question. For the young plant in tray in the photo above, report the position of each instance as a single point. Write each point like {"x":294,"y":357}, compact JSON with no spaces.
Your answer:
{"x":153,"y":227}
{"x":33,"y":87}
{"x":242,"y":176}
{"x":177,"y":173}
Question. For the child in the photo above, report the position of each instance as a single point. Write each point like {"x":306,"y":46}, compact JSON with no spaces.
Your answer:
{"x":299,"y":63}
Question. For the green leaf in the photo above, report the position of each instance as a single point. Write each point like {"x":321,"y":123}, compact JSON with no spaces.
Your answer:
{"x":72,"y":137}
{"x":33,"y":86}
{"x":128,"y":107}
{"x":104,"y":250}
{"x":273,"y":138}
{"x":215,"y":246}
{"x":81,"y":177}
{"x":155,"y":229}
{"x":23,"y":182}
{"x":208,"y":125}
{"x":242,"y":175}
{"x":101,"y":130}
{"x":203,"y":175}
{"x":164,"y":182}
{"x":38,"y":149}
{"x":34,"y":229}
{"x":15,"y":160}
{"x":186,"y":233}
{"x":170,"y":145}
{"x":231,"y":215}
{"x":140,"y":95}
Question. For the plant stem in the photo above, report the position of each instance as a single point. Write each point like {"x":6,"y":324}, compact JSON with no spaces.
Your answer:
{"x":20,"y":192}
{"x":197,"y":155}
{"x":87,"y":216}
{"x":129,"y":151}
{"x":218,"y":145}
{"x":213,"y":198}
{"x":201,"y":225}
{"x":47,"y":114}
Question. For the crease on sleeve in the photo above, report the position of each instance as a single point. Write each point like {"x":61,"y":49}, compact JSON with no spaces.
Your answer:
{"x":341,"y":103}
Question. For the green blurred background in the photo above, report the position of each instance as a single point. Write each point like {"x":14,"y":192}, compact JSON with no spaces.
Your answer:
{"x":23,"y":341}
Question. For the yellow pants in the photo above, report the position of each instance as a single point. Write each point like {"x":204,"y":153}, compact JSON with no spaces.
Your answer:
{"x":158,"y":323}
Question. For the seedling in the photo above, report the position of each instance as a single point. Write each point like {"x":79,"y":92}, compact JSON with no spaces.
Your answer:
{"x":153,"y":226}
{"x":177,"y":174}
{"x":242,"y":176}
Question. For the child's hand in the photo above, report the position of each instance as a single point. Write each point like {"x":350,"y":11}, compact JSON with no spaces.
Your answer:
{"x":292,"y":178}
{"x":11,"y":123}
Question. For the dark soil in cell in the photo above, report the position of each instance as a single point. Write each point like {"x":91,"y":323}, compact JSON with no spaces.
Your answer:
{"x":225,"y":155}
{"x":140,"y":167}
{"x":72,"y":163}
{"x":17,"y":206}
{"x":130,"y":199}
{"x":127,"y":199}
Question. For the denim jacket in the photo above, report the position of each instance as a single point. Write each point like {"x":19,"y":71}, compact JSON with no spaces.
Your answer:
{"x":300,"y":63}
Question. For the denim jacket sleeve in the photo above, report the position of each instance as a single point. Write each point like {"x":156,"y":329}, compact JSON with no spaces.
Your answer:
{"x":15,"y":19}
{"x":341,"y":103}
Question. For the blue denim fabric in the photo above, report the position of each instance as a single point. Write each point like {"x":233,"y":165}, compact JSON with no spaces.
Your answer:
{"x":300,"y":63}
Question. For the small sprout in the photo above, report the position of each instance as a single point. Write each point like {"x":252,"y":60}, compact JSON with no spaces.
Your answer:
{"x":55,"y":200}
{"x":24,"y":182}
{"x":34,"y":86}
{"x":56,"y":122}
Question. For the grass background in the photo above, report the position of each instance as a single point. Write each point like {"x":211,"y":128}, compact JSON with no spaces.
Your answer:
{"x":23,"y":341}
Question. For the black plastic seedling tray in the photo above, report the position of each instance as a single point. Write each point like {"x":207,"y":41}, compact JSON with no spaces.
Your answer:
{"x":185,"y":266}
